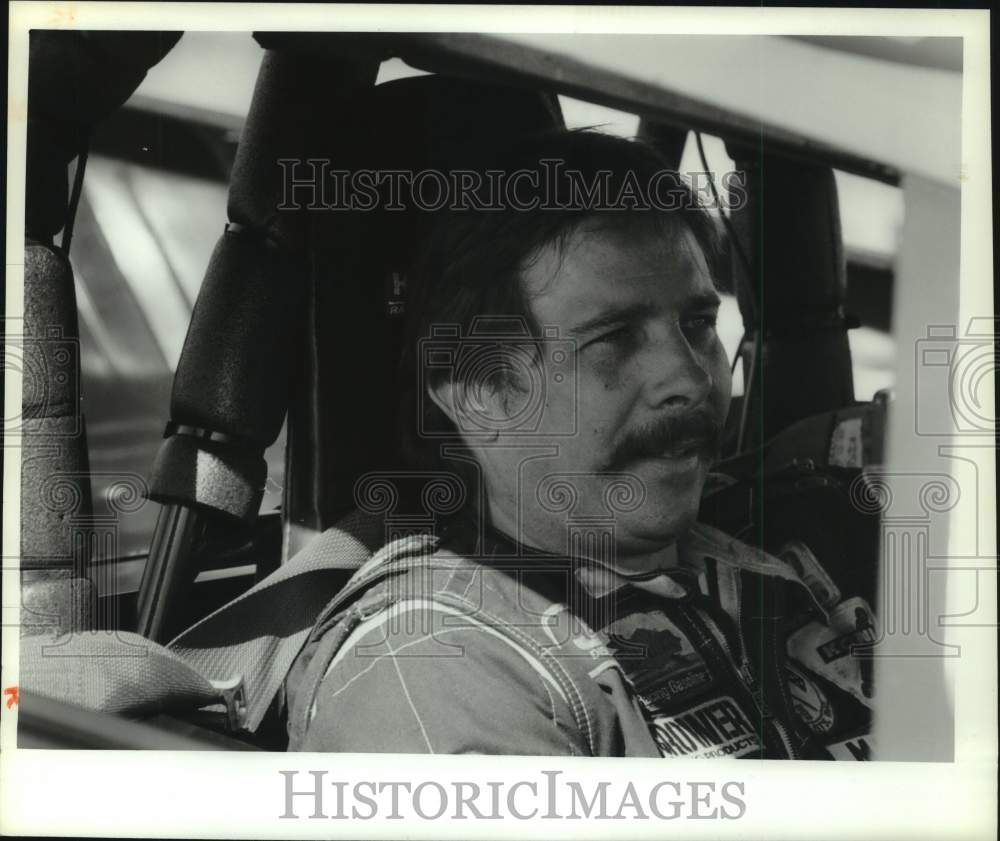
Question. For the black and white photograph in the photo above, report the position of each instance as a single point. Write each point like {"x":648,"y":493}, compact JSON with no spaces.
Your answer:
{"x":408,"y":409}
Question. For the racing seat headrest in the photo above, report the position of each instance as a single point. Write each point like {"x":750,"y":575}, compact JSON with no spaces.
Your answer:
{"x":361,"y":262}
{"x":431,"y":125}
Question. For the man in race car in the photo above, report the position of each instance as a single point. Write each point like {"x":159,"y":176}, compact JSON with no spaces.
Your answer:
{"x":574,"y":605}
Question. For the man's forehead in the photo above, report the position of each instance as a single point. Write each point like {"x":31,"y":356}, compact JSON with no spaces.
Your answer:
{"x":597,"y":266}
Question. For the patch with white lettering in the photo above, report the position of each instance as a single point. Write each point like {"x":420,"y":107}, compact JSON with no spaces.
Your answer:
{"x":844,"y":645}
{"x":717,"y":729}
{"x":860,"y":749}
{"x":828,"y":653}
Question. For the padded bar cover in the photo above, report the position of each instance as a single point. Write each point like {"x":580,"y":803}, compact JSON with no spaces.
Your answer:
{"x":235,"y":370}
{"x":55,"y":484}
{"x":233,"y":373}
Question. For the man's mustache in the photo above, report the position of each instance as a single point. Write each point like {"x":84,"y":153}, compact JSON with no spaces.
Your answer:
{"x":699,"y":431}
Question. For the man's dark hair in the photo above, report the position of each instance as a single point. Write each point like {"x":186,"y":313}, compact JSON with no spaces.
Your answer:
{"x":469,"y":262}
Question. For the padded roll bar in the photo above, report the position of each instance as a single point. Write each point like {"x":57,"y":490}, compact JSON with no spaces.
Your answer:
{"x":232,"y":385}
{"x":75,"y":80}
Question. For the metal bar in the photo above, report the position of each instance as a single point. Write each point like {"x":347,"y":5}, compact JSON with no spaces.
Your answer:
{"x":169,"y":571}
{"x":461,"y":53}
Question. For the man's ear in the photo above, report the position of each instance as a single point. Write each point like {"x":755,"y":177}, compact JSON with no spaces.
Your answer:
{"x":471,"y":407}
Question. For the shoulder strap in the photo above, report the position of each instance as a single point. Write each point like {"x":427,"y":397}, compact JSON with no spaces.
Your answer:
{"x":713,"y":543}
{"x":570,"y":656}
{"x":257,"y":635}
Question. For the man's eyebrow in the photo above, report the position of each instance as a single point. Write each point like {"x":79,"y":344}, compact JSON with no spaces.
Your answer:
{"x":612,"y":315}
{"x":703,"y":300}
{"x":633,"y":312}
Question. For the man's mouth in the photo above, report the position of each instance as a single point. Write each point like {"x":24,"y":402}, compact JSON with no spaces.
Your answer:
{"x":682,"y":450}
{"x":676,"y":463}
{"x":677,"y":459}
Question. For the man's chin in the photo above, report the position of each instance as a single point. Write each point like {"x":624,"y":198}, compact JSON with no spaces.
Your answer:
{"x":651,"y":533}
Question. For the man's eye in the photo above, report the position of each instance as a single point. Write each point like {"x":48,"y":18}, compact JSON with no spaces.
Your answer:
{"x":705,"y":321}
{"x":617,"y":336}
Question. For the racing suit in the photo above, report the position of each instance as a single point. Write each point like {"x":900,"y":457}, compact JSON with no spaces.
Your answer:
{"x":472,"y":643}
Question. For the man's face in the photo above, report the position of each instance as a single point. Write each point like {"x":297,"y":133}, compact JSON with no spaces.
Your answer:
{"x":648,"y":400}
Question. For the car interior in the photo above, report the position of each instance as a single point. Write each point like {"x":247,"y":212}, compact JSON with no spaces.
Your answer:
{"x":286,"y":385}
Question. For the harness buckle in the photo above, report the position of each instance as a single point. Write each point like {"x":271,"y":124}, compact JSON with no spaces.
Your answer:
{"x":234,"y":696}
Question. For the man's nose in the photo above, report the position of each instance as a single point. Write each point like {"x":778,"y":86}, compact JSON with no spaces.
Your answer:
{"x":678,"y":377}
